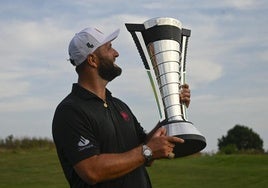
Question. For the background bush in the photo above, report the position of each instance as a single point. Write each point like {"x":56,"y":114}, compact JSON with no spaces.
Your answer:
{"x":11,"y":143}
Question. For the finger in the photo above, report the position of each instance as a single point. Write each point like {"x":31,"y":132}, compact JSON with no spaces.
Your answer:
{"x":185,"y":99}
{"x":160,"y":132}
{"x":171,"y":145}
{"x":164,"y":132}
{"x":185,"y":92}
{"x":185,"y":86}
{"x":175,"y":139}
{"x":185,"y":96}
{"x":171,"y":155}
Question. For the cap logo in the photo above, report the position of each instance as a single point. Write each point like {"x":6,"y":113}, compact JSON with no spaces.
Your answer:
{"x":90,"y":45}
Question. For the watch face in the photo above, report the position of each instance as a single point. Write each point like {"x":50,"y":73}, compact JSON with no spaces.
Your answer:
{"x":147,"y":153}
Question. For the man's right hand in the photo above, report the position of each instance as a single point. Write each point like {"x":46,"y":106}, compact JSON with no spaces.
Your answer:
{"x":161,"y":144}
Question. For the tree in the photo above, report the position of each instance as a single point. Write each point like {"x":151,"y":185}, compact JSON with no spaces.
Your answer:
{"x":240,"y":138}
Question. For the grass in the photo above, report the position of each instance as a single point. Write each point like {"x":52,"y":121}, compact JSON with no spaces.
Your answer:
{"x":38,"y":168}
{"x":216,"y":171}
{"x":33,"y":168}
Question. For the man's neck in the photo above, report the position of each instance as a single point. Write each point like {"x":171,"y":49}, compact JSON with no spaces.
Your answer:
{"x":98,"y":88}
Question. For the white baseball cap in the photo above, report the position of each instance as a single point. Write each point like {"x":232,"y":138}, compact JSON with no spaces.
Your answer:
{"x":86,"y":42}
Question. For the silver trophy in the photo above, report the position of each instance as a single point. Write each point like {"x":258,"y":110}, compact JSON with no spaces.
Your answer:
{"x":163,"y":49}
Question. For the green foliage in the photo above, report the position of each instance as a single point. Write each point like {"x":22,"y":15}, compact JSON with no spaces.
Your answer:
{"x":229,"y":149}
{"x":242,"y":139}
{"x":40,"y":168}
{"x":11,"y":143}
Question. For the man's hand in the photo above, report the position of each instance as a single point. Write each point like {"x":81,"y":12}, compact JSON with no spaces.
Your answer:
{"x":185,"y":95}
{"x":161,"y":144}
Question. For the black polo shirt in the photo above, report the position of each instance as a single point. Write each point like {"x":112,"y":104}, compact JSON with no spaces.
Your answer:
{"x":84,"y":126}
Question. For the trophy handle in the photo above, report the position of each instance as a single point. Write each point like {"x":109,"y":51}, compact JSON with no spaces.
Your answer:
{"x":185,"y":37}
{"x":133,"y":28}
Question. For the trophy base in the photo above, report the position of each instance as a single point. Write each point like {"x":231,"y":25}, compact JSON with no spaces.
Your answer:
{"x":194,"y":141}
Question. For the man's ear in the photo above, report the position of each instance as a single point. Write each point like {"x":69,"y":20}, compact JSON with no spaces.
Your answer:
{"x":92,"y":60}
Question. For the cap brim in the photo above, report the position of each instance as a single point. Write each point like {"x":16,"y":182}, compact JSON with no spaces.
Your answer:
{"x":111,"y":37}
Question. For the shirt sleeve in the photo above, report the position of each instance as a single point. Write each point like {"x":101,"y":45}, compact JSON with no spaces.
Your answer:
{"x":73,"y":134}
{"x":140,"y":131}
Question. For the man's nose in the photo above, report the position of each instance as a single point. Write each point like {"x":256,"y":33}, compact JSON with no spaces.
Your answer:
{"x":116,"y":54}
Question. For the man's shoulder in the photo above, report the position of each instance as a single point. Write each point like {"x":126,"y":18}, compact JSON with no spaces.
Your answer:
{"x":69,"y":100}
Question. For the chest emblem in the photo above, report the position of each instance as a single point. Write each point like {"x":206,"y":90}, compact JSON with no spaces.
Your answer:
{"x":125,"y":116}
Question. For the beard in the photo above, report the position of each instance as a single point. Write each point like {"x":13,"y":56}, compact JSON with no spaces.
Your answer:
{"x":108,"y":70}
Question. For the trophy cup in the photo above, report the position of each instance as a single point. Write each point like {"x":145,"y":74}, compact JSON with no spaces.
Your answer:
{"x":163,"y":52}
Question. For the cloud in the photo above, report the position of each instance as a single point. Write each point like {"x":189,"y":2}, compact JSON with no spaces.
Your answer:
{"x":243,"y":4}
{"x":12,"y":85}
{"x":23,"y":39}
{"x":203,"y":72}
{"x":24,"y":104}
{"x":35,"y":54}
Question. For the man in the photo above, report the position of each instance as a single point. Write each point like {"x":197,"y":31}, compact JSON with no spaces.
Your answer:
{"x":99,"y":141}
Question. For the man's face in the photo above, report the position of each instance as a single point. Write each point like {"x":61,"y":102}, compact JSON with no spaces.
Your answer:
{"x":107,"y":69}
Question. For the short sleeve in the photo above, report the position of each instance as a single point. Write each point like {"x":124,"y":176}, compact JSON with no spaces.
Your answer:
{"x":73,"y":134}
{"x":140,"y":131}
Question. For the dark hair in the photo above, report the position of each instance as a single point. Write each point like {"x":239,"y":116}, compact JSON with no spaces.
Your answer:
{"x":72,"y":62}
{"x":81,"y":67}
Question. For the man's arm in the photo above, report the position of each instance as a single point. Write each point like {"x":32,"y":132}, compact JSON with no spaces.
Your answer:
{"x":105,"y":167}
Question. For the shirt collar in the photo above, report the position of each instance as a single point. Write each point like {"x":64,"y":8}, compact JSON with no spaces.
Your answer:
{"x":84,"y":93}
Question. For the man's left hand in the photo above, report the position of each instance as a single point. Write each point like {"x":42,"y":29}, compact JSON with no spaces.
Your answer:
{"x":185,"y":95}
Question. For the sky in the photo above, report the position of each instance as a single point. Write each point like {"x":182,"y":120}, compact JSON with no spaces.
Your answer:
{"x":226,"y":61}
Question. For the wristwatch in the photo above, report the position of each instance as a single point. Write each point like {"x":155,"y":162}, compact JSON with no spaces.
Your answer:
{"x":147,"y":152}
